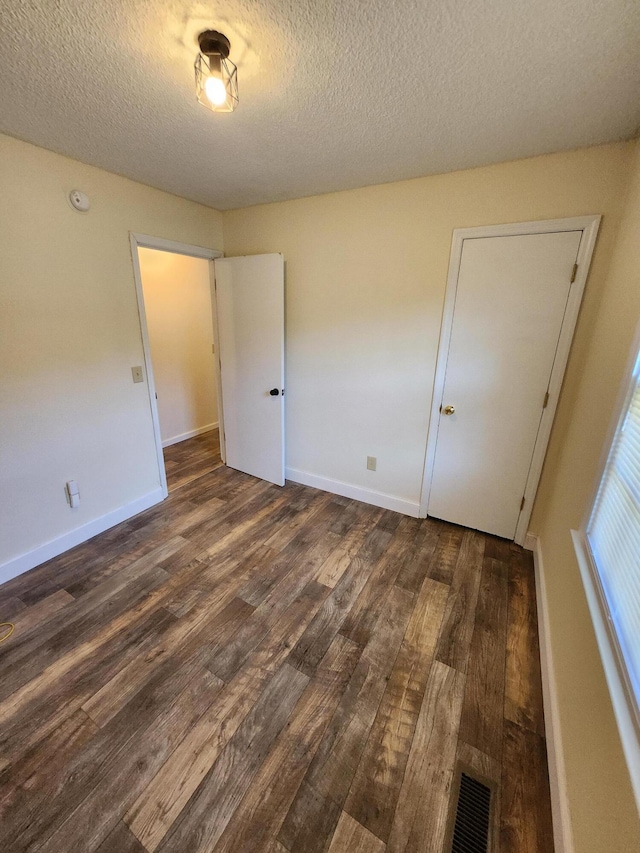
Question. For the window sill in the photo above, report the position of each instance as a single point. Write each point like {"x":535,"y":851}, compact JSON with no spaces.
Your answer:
{"x":625,"y":714}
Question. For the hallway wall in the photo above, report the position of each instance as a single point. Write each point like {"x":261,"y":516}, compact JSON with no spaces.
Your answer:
{"x":177,"y":301}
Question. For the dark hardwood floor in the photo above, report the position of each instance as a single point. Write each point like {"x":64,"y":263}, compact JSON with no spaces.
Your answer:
{"x":249,"y":668}
{"x":188,"y":460}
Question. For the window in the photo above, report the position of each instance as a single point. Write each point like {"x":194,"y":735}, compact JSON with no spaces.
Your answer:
{"x":613,"y":535}
{"x":608,"y":549}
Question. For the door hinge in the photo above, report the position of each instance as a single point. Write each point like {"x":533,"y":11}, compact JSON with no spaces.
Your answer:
{"x":522,"y":504}
{"x":546,"y":400}
{"x":574,"y":273}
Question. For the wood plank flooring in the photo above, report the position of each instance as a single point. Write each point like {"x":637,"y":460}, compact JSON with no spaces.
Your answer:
{"x":249,"y":668}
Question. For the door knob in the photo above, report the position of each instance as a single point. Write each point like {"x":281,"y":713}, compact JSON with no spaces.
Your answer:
{"x":274,"y":392}
{"x":448,"y":410}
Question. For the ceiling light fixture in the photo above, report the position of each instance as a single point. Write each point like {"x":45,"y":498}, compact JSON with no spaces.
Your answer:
{"x":216,"y":75}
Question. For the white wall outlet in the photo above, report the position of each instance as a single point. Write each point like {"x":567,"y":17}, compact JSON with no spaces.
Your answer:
{"x":73,"y":494}
{"x":136,"y":372}
{"x":371,"y":463}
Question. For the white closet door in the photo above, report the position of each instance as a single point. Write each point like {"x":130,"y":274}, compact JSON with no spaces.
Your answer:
{"x":250,"y":316}
{"x":510,"y":301}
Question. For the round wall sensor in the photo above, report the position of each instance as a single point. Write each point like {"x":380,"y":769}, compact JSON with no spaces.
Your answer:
{"x":79,"y":201}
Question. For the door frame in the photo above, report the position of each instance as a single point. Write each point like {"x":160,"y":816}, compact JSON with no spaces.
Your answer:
{"x":589,"y":226}
{"x":145,"y":241}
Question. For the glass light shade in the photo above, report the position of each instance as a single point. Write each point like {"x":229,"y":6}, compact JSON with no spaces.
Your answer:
{"x":216,"y":83}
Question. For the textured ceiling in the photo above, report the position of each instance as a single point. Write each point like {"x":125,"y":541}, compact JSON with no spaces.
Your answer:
{"x":333,"y":93}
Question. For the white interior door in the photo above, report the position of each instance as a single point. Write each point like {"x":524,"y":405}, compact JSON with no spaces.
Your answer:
{"x":250,"y":319}
{"x":510,"y":301}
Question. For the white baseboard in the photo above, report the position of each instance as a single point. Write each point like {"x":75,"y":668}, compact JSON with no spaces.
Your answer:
{"x":562,"y":833}
{"x":347,"y":490}
{"x":191,"y":434}
{"x":21,"y":564}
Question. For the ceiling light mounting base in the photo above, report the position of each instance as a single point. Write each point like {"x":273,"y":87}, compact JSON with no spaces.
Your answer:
{"x":213,"y":43}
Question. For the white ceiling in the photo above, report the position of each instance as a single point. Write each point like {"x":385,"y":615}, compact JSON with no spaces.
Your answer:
{"x":333,"y":93}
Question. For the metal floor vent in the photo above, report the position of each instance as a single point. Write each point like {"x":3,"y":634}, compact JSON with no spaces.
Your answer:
{"x":472,"y":817}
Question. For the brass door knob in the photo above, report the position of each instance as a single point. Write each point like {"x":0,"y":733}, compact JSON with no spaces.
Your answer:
{"x":448,"y":410}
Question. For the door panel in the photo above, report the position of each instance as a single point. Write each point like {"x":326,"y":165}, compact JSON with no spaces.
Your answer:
{"x":509,"y":306}
{"x":250,"y":313}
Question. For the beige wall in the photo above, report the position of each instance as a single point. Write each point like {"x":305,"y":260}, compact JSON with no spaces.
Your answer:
{"x":69,"y":335}
{"x":365,"y":284}
{"x":177,"y":302}
{"x":366,"y":274}
{"x":605,"y":818}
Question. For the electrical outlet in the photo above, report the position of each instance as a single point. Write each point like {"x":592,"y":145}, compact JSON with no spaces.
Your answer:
{"x":136,"y":372}
{"x":371,"y":463}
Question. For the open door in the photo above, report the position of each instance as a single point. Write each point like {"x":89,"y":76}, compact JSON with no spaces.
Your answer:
{"x":250,"y":319}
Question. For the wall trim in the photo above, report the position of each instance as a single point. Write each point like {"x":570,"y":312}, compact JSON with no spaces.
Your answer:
{"x":19,"y":565}
{"x":358,"y":493}
{"x":562,"y":832}
{"x":190,"y":434}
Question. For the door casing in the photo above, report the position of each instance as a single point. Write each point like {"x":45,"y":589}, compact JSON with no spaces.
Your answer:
{"x":589,"y":226}
{"x":159,"y":243}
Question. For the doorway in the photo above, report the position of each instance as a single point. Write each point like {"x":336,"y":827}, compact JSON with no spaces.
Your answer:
{"x":177,"y":299}
{"x":176,"y":302}
{"x":242,"y":335}
{"x":512,"y":302}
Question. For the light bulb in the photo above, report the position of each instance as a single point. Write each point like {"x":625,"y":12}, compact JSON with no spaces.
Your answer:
{"x":215,"y":90}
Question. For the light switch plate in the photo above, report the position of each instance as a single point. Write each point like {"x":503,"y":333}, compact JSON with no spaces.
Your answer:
{"x":136,"y":372}
{"x":371,"y":463}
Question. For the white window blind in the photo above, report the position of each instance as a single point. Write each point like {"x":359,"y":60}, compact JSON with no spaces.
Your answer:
{"x":613,"y":535}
